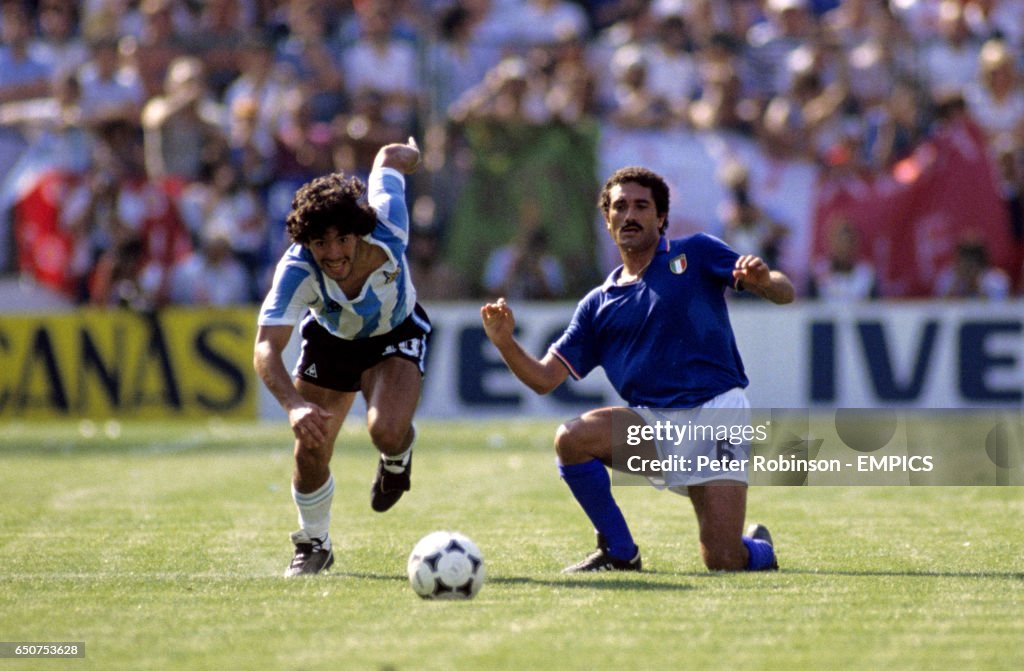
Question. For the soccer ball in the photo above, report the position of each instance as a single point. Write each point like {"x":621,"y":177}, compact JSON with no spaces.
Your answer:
{"x":446,"y":565}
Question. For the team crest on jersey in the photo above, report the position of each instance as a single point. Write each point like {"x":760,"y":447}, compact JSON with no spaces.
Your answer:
{"x":311,"y":371}
{"x":678,"y":264}
{"x":391,"y":277}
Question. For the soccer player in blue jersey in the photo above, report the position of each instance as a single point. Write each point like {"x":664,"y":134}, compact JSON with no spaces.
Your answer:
{"x":660,"y":329}
{"x":345,"y":278}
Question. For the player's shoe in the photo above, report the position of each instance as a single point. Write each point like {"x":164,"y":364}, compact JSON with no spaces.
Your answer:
{"x":388,"y":487}
{"x":310,"y":556}
{"x":760,"y":532}
{"x":600,"y":560}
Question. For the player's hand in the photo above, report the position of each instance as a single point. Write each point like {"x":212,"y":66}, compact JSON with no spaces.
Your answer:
{"x":402,"y":157}
{"x":309,"y":423}
{"x":499,"y":322}
{"x":753,"y":272}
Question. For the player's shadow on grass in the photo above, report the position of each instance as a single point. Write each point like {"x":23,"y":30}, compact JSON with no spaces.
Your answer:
{"x":599,"y":581}
{"x":984,"y":575}
{"x":369,"y":576}
{"x":981,"y":575}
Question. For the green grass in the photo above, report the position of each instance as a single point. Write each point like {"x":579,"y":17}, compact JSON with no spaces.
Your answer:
{"x":161,"y":547}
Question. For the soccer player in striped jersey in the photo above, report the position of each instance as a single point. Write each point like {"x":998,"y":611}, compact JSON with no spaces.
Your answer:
{"x":346,"y":281}
{"x":659,"y":328}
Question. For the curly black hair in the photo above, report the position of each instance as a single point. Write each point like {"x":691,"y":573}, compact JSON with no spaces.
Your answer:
{"x":330,"y":201}
{"x":643,"y":177}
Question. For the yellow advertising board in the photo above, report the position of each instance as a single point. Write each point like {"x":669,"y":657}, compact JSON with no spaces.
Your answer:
{"x":181,"y":362}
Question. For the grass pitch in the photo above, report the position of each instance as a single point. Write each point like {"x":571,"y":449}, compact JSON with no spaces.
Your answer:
{"x":161,"y":547}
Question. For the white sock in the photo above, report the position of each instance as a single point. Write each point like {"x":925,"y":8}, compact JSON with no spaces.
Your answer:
{"x":396,"y":463}
{"x":315,"y":510}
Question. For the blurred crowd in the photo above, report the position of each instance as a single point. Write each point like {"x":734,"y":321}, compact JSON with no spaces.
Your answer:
{"x":187,"y":125}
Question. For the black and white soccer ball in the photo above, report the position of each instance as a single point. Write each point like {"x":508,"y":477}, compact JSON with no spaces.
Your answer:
{"x":446,"y":565}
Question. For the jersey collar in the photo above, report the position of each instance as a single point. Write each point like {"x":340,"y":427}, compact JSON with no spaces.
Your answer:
{"x":610,"y":281}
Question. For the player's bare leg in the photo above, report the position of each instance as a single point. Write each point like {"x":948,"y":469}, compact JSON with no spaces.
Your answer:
{"x":720,"y":510}
{"x":312,"y":459}
{"x":590,"y":436}
{"x":313,"y":485}
{"x":392,"y":390}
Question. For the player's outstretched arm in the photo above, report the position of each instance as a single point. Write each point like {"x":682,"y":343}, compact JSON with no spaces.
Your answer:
{"x":308,"y":420}
{"x":540,"y":375}
{"x":404,"y":158}
{"x":757,"y":278}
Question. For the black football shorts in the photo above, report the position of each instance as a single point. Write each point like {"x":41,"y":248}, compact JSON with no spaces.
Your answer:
{"x":338,"y":364}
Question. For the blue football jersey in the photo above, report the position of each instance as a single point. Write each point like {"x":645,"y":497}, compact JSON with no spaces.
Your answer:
{"x":388,"y":296}
{"x":665,"y":341}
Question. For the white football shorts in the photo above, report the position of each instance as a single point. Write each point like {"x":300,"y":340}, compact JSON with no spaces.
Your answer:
{"x":700,"y":445}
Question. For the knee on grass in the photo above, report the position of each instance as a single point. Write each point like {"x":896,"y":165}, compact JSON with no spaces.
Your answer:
{"x":724,"y":558}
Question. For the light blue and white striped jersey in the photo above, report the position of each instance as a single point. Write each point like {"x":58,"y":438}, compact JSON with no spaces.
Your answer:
{"x":388,"y":296}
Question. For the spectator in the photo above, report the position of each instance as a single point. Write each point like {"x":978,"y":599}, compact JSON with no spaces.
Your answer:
{"x":843,"y":275}
{"x":804,"y":122}
{"x":159,"y":43}
{"x":572,"y":86}
{"x":256,"y":104}
{"x":311,"y":58}
{"x":436,"y":279}
{"x":852,"y":22}
{"x":950,"y":63}
{"x":111,"y":19}
{"x":383,"y":64}
{"x":546,"y":22}
{"x":996,"y":99}
{"x":971,"y":275}
{"x":748,"y":228}
{"x":123,"y":278}
{"x":671,"y":68}
{"x":789,"y":26}
{"x":361,"y":133}
{"x":510,"y":93}
{"x":721,"y":105}
{"x":211,"y":276}
{"x":632,"y":27}
{"x":23,"y":76}
{"x":116,"y":214}
{"x":1011,"y":184}
{"x":305,"y":145}
{"x":492,"y":28}
{"x":233,"y":209}
{"x":525,"y":268}
{"x":53,"y":127}
{"x":220,"y":33}
{"x":252,"y":153}
{"x":58,"y":44}
{"x":636,"y":104}
{"x":894,"y":127}
{"x":111,"y":89}
{"x":182,"y":127}
{"x":996,"y":19}
{"x":458,"y":61}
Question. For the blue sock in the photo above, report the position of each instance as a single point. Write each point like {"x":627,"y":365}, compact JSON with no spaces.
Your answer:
{"x":762,"y":554}
{"x":590,"y":484}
